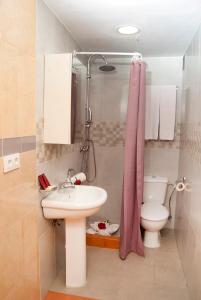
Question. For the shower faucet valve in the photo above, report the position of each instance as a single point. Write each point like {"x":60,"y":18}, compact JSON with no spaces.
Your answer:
{"x":84,"y":148}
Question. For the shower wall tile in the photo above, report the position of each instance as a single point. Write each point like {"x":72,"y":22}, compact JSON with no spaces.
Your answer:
{"x":109,"y":165}
{"x":188,"y":204}
{"x":108,"y":133}
{"x":115,"y":95}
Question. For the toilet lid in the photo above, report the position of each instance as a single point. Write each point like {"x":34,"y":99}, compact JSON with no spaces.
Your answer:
{"x":154,"y":212}
{"x":155,"y":179}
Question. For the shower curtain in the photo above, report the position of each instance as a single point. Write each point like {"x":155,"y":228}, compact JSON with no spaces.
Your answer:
{"x":133,"y":183}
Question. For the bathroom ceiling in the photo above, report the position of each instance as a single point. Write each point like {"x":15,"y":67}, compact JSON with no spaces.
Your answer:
{"x":167,"y":26}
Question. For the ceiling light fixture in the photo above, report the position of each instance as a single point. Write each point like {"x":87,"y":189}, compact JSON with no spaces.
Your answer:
{"x":128,"y":29}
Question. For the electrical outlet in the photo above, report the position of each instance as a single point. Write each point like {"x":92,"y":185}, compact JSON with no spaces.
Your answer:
{"x":11,"y":162}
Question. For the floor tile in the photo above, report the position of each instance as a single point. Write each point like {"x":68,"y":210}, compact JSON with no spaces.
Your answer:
{"x":158,"y":276}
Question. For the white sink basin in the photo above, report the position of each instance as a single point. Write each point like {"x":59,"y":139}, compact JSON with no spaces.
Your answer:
{"x":81,"y":201}
{"x":74,"y":205}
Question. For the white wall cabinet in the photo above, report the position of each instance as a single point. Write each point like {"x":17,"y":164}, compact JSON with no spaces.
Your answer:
{"x":58,"y":98}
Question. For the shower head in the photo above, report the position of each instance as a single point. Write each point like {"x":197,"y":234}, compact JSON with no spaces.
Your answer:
{"x":107,"y":68}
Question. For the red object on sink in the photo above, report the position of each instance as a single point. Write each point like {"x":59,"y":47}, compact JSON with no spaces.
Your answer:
{"x":101,"y":225}
{"x":46,"y":180}
{"x":43,"y":181}
{"x":77,"y":181}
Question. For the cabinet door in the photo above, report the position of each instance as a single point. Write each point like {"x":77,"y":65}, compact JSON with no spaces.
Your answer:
{"x":57,"y":98}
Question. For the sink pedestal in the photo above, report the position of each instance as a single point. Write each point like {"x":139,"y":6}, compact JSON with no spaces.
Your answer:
{"x":75,"y":230}
{"x":74,"y":206}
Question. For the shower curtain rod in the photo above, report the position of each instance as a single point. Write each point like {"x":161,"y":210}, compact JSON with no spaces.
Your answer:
{"x":109,"y":53}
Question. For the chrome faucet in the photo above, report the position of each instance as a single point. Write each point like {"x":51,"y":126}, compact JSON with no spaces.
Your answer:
{"x":68,"y":182}
{"x":69,"y":176}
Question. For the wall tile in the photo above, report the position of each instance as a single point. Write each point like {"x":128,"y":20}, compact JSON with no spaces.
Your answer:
{"x":18,"y":197}
{"x":16,"y":145}
{"x":11,"y":258}
{"x":28,"y":143}
{"x":1,"y":148}
{"x":11,"y":145}
{"x":47,"y":252}
{"x":188,"y":205}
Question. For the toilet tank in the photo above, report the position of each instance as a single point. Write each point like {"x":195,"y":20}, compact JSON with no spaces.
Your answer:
{"x":155,"y":188}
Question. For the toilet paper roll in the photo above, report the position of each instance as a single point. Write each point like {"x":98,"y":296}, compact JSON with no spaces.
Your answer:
{"x":180,"y":187}
{"x":187,"y":187}
{"x":80,"y":176}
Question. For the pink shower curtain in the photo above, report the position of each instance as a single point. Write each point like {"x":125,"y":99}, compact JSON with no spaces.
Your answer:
{"x":130,"y":235}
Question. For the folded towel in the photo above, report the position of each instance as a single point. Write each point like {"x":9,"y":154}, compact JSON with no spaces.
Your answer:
{"x":167,"y":112}
{"x":152,"y":112}
{"x":107,"y":231}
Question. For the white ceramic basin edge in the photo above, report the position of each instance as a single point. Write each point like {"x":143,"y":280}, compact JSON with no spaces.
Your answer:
{"x":74,"y":202}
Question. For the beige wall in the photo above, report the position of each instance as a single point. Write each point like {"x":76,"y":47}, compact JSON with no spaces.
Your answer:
{"x":162,"y":157}
{"x":18,"y":205}
{"x":53,"y":160}
{"x":188,"y":210}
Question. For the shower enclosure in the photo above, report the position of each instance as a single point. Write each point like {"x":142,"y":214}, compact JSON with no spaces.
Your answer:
{"x":88,"y":144}
{"x":103,"y":141}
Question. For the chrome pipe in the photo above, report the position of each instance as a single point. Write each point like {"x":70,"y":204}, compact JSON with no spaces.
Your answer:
{"x":89,"y":63}
{"x":88,"y":112}
{"x":108,"y":53}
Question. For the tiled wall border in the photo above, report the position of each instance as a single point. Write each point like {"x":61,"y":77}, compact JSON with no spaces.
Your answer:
{"x":104,"y":134}
{"x":17,"y":145}
{"x":166,"y":144}
{"x":111,"y":134}
{"x":191,"y":140}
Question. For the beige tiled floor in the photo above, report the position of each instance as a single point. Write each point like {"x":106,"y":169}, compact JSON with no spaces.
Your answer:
{"x":158,"y":276}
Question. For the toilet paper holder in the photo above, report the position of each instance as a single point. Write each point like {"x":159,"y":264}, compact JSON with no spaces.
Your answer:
{"x":183,"y":179}
{"x":182,"y":185}
{"x":179,"y":186}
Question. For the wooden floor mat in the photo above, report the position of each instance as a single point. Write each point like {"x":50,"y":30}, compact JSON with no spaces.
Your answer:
{"x":95,"y":240}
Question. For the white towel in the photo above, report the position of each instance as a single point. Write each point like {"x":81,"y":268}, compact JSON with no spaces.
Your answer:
{"x":152,"y":112}
{"x":167,"y":112}
{"x":80,"y":176}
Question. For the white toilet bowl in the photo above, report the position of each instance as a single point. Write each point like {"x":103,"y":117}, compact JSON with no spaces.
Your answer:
{"x":154,"y":216}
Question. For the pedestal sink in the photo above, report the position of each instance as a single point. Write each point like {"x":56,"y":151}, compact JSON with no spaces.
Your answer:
{"x":74,"y":205}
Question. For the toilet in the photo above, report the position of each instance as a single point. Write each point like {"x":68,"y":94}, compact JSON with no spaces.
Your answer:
{"x":154,"y":214}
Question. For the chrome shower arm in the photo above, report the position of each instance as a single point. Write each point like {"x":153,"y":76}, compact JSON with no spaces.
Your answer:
{"x":88,"y":112}
{"x":89,"y":63}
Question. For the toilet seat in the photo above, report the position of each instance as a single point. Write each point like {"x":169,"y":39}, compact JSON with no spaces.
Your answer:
{"x":154,"y":212}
